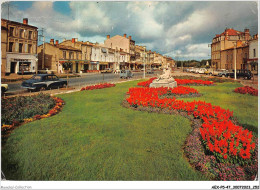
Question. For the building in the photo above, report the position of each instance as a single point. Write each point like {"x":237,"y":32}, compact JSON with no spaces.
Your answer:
{"x":140,"y":56}
{"x":228,"y":57}
{"x":253,"y":54}
{"x":52,"y":56}
{"x":18,"y":47}
{"x":86,"y":50}
{"x":226,"y":40}
{"x":123,"y":44}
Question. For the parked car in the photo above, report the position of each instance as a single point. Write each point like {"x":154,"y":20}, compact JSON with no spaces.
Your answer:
{"x":246,"y":74}
{"x":126,"y":74}
{"x":202,"y":70}
{"x":220,"y":72}
{"x":43,"y":82}
{"x":4,"y":88}
{"x":209,"y":71}
{"x":107,"y":70}
{"x":149,"y":71}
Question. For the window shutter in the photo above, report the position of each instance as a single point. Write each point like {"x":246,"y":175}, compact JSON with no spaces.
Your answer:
{"x":26,"y":48}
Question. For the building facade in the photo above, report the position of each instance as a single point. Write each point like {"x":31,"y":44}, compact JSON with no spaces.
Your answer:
{"x":253,"y":54}
{"x":86,"y":51}
{"x":19,"y":47}
{"x":226,"y":40}
{"x":52,"y":56}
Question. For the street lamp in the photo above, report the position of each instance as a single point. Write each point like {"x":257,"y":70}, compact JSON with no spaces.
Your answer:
{"x":144,"y":63}
{"x":235,"y":60}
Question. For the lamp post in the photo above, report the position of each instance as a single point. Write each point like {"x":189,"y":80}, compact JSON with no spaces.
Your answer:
{"x":144,"y":63}
{"x":235,"y":60}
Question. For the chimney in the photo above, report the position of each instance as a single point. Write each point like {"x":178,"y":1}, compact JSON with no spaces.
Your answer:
{"x":247,"y":34}
{"x":108,"y":36}
{"x":125,"y":35}
{"x":76,"y":39}
{"x":57,"y":42}
{"x":52,"y":41}
{"x":25,"y":21}
{"x":73,"y":40}
{"x":129,"y":37}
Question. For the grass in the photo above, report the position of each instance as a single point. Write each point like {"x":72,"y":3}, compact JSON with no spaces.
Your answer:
{"x":95,"y":138}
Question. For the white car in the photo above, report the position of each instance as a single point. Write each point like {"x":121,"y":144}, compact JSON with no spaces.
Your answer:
{"x":202,"y":71}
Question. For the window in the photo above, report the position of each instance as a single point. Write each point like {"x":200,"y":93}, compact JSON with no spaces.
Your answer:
{"x":20,"y":48}
{"x":64,"y":54}
{"x":29,"y":48}
{"x":11,"y":32}
{"x":11,"y":44}
{"x":85,"y":56}
{"x":21,"y":33}
{"x":77,"y":56}
{"x":254,"y":53}
{"x":227,"y":57}
{"x":71,"y":55}
{"x":30,"y":35}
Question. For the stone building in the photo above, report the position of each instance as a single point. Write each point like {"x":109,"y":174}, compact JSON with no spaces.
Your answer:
{"x":85,"y":47}
{"x":123,"y":44}
{"x":226,"y":40}
{"x":241,"y":53}
{"x":253,"y":54}
{"x":18,"y":47}
{"x":56,"y":54}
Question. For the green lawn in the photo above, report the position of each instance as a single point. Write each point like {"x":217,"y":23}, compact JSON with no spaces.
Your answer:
{"x":95,"y":138}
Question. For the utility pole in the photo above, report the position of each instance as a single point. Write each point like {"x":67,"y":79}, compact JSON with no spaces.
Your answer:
{"x":235,"y":60}
{"x":43,"y":40}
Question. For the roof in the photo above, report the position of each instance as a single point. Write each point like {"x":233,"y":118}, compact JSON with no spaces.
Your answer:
{"x":19,"y":23}
{"x":63,"y":47}
{"x":230,"y":32}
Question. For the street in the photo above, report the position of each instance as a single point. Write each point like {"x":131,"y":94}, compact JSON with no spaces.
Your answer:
{"x":15,"y":88}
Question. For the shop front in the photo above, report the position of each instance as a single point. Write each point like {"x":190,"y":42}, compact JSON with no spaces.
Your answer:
{"x":21,"y":63}
{"x":103,"y":65}
{"x":94,"y":65}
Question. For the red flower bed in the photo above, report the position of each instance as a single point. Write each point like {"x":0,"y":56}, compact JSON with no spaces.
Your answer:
{"x":98,"y":86}
{"x":146,"y":83}
{"x":193,"y":82}
{"x":179,"y":82}
{"x":247,"y":90}
{"x":183,"y":90}
{"x":223,"y":138}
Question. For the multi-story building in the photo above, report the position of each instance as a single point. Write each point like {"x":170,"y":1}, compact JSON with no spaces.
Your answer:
{"x":226,"y":40}
{"x":158,"y":60}
{"x":241,"y":53}
{"x":18,"y":47}
{"x":52,"y":56}
{"x":123,"y":44}
{"x":140,"y":56}
{"x":85,"y":47}
{"x":253,"y":54}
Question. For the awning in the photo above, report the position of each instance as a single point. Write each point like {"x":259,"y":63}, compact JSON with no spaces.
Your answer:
{"x":103,"y":63}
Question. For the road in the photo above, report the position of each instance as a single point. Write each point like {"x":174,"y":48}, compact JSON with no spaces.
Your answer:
{"x":84,"y":80}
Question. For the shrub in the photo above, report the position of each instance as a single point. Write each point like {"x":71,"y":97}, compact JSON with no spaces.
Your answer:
{"x":247,"y":90}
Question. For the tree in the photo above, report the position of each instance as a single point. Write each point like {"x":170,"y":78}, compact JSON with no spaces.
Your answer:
{"x":66,"y":66}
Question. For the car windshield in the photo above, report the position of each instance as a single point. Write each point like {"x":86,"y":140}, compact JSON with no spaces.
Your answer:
{"x":36,"y":77}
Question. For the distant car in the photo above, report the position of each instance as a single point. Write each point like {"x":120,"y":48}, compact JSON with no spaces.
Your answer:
{"x":4,"y":88}
{"x":209,"y":72}
{"x":246,"y":74}
{"x":222,"y":73}
{"x":149,"y":71}
{"x":219,"y":71}
{"x":201,"y":70}
{"x":43,"y":82}
{"x":126,"y":74}
{"x":107,"y":70}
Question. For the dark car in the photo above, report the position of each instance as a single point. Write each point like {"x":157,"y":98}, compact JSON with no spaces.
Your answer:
{"x":43,"y":82}
{"x":246,"y":74}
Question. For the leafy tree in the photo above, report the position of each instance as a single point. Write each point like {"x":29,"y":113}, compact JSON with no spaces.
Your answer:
{"x":66,"y":66}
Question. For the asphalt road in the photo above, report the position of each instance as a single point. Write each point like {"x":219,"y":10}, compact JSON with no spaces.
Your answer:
{"x":84,"y":80}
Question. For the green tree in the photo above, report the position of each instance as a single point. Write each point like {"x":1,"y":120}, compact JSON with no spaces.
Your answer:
{"x":66,"y":66}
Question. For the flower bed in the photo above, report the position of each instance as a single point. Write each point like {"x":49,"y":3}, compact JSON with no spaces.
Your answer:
{"x":30,"y":103}
{"x":179,"y":82}
{"x":98,"y":86}
{"x":247,"y":90}
{"x":230,"y":144}
{"x":93,"y":71}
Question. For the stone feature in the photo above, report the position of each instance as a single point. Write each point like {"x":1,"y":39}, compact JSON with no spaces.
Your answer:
{"x":164,"y":80}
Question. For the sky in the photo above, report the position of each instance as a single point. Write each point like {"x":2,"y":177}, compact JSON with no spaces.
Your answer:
{"x":182,"y":30}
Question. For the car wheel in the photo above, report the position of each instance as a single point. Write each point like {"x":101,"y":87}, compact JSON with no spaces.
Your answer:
{"x":42,"y":88}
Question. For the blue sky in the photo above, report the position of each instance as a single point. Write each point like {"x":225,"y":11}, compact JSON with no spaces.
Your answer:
{"x":179,"y":29}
